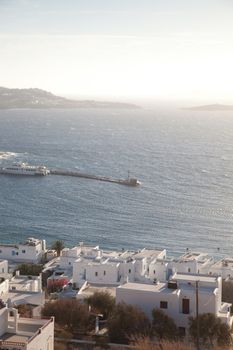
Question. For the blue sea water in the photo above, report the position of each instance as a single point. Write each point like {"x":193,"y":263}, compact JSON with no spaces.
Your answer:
{"x":183,"y":158}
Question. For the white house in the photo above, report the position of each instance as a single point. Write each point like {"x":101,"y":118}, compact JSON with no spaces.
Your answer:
{"x":177,"y":297}
{"x":24,"y":333}
{"x":23,"y":290}
{"x":30,"y":251}
{"x":3,"y":268}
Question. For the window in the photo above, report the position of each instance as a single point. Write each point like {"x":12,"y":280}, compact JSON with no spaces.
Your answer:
{"x":185,"y":306}
{"x":104,"y":273}
{"x":3,"y":270}
{"x":0,"y":251}
{"x":163,"y":304}
{"x":189,"y":270}
{"x":154,"y":272}
{"x":129,"y":270}
{"x":13,"y":252}
{"x":23,"y":251}
{"x":96,"y":273}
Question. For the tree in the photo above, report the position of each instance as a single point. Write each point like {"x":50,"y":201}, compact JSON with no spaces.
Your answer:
{"x":163,"y":326}
{"x":30,"y":269}
{"x":211,"y":330}
{"x":70,"y":313}
{"x":101,"y":302}
{"x":58,"y":246}
{"x":127,"y":322}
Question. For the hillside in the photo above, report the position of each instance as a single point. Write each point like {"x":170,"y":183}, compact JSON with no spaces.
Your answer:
{"x":37,"y":98}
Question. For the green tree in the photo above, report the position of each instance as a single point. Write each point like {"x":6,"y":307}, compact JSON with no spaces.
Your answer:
{"x":211,"y":330}
{"x":101,"y":302}
{"x":58,"y":246}
{"x":163,"y":326}
{"x":126,"y":323}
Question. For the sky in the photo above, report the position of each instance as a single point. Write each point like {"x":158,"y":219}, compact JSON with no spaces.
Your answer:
{"x":157,"y":49}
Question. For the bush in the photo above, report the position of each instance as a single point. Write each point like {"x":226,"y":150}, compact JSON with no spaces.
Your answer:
{"x":70,"y":313}
{"x":163,"y":326}
{"x":211,"y":330}
{"x":101,"y":302}
{"x":127,"y":322}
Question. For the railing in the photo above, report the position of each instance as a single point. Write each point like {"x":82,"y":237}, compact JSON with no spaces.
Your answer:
{"x":12,"y":343}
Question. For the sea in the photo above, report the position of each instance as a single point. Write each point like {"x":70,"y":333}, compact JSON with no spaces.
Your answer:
{"x":183,"y":158}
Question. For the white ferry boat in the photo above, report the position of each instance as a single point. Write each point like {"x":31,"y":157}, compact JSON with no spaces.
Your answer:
{"x":24,"y":169}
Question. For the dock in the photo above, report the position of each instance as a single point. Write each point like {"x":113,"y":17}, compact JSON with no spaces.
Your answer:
{"x":130,"y":181}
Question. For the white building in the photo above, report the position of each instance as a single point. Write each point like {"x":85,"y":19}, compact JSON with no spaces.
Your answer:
{"x":3,"y":269}
{"x":222,"y":268}
{"x":31,"y":251}
{"x":112,"y":267}
{"x":70,"y":255}
{"x":18,"y":333}
{"x":177,"y":298}
{"x":23,"y":290}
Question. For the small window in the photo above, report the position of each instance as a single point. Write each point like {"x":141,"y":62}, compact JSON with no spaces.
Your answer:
{"x":0,"y":251}
{"x":163,"y":304}
{"x":23,"y":251}
{"x":69,"y":263}
{"x":189,"y":270}
{"x":129,"y":270}
{"x":104,"y":273}
{"x":154,"y":272}
{"x":13,"y":252}
{"x":185,"y":306}
{"x":96,"y":273}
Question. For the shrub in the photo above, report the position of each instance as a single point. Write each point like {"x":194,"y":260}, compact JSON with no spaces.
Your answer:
{"x":70,"y":313}
{"x":211,"y":330}
{"x":163,"y":326}
{"x":101,"y":302}
{"x":127,"y":322}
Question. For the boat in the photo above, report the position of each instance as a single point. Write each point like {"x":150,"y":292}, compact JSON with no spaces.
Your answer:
{"x":24,"y":169}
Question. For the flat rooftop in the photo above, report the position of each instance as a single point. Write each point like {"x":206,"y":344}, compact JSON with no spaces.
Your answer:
{"x":189,"y":256}
{"x":148,"y":253}
{"x":92,"y":288}
{"x":227,"y":263}
{"x":194,"y":277}
{"x":155,"y":288}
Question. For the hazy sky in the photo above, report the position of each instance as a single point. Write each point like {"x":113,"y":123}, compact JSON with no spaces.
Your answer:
{"x":162,"y":49}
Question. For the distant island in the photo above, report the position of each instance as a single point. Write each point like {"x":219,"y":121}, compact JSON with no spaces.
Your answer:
{"x":214,"y":107}
{"x":37,"y":98}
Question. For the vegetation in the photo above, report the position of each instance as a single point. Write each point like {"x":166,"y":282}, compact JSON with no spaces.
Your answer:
{"x":146,"y":344}
{"x":126,"y":323}
{"x":102,"y":303}
{"x":227,"y":291}
{"x":30,"y":269}
{"x":212,"y":331}
{"x":69,"y":313}
{"x":163,"y":326}
{"x":58,"y":246}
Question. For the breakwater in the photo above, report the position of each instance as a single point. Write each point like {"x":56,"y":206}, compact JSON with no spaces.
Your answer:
{"x":127,"y":182}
